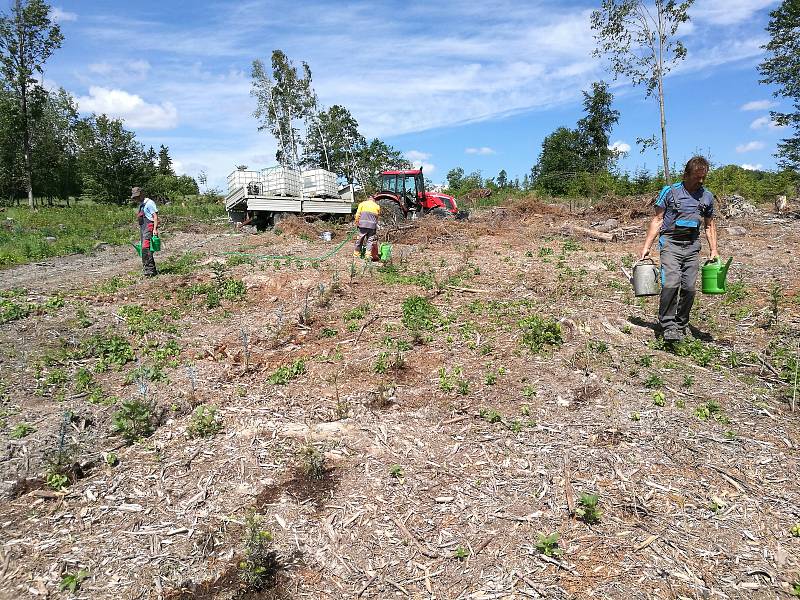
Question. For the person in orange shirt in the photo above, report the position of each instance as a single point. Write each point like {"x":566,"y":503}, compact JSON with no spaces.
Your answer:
{"x":367,"y":223}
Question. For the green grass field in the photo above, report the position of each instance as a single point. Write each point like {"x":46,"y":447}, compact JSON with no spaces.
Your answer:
{"x":24,"y":233}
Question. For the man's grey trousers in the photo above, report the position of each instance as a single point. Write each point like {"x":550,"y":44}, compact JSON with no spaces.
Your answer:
{"x":680,"y":261}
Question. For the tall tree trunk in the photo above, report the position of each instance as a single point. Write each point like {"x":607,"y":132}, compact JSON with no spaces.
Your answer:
{"x":26,"y":147}
{"x":661,"y":26}
{"x":23,"y":81}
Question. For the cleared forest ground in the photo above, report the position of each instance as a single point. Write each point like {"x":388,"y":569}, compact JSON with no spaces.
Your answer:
{"x":414,"y":430}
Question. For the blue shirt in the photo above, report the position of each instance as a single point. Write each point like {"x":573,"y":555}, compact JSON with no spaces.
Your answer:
{"x":684,"y":211}
{"x":149,"y":209}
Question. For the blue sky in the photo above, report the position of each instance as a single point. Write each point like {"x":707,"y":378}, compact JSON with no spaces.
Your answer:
{"x":475,"y":85}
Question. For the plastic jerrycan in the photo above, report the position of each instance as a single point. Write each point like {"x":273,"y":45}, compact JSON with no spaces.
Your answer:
{"x":714,"y":275}
{"x":645,"y":278}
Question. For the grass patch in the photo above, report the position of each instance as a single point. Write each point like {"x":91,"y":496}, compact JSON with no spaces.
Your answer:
{"x":419,"y":314}
{"x":180,"y":265}
{"x":390,"y":274}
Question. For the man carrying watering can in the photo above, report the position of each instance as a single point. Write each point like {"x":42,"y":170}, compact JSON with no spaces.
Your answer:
{"x":680,"y":210}
{"x":367,"y":223}
{"x":148,"y":227}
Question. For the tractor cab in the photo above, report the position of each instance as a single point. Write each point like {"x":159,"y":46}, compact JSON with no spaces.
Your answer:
{"x":407,"y":186}
{"x":402,"y":193}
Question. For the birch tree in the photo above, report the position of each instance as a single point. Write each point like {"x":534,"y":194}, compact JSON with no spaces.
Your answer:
{"x":283,"y":98}
{"x":27,"y":39}
{"x":639,"y":40}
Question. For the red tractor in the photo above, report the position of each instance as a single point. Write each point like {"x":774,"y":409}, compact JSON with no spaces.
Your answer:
{"x":401,"y":194}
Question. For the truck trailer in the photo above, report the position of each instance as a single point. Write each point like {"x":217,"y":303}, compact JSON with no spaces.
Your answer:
{"x":263,"y":198}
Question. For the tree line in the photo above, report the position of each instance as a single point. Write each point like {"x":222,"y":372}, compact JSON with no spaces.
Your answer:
{"x":47,"y":151}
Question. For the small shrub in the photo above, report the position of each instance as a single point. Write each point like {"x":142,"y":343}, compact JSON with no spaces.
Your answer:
{"x":22,"y":430}
{"x":461,"y":553}
{"x":707,"y":410}
{"x":204,"y":421}
{"x":658,"y":398}
{"x":490,"y":415}
{"x":12,"y":311}
{"x":329,"y":333}
{"x":57,"y":481}
{"x":83,"y":380}
{"x":357,"y":313}
{"x":150,"y":373}
{"x":654,"y":381}
{"x":133,"y":421}
{"x":396,"y":471}
{"x":312,"y":462}
{"x":702,"y":354}
{"x":539,"y":333}
{"x":259,"y":568}
{"x":587,"y":510}
{"x":548,"y":544}
{"x":287,"y":373}
{"x":71,"y":582}
{"x":111,"y":349}
{"x":232,"y":289}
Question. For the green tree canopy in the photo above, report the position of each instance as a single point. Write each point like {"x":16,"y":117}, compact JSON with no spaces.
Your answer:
{"x":559,"y":161}
{"x":595,"y":129}
{"x":27,"y":39}
{"x":111,"y":161}
{"x":164,"y":161}
{"x":782,"y":68}
{"x":334,"y":142}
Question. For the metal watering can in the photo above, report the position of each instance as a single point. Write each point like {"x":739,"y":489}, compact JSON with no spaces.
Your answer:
{"x":714,"y":274}
{"x":644,"y":278}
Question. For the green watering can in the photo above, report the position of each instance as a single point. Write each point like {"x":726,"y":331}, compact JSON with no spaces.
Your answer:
{"x":155,"y":245}
{"x":714,"y":274}
{"x":385,"y":252}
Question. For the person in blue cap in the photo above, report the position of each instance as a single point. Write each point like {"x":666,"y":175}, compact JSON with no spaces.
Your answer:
{"x":681,"y":210}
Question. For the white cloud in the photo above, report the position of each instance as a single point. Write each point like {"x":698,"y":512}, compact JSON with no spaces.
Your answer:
{"x":750,"y":167}
{"x":620,"y":146}
{"x":416,"y":155}
{"x":749,"y":147}
{"x":60,"y":15}
{"x":727,"y":12}
{"x":131,"y":108}
{"x":764,"y":123}
{"x":758,"y":105}
{"x":420,"y":160}
{"x":483,"y":151}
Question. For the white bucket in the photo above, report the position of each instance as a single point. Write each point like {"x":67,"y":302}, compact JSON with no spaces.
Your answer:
{"x":326,"y":236}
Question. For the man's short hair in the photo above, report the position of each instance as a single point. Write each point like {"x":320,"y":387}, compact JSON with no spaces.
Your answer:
{"x":696,"y":162}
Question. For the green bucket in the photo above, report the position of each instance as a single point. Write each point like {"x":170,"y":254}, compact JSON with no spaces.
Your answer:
{"x":155,"y":244}
{"x":385,"y":251}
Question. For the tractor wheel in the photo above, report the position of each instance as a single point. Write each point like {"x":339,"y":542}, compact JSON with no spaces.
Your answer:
{"x":441,"y":213}
{"x":391,"y":213}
